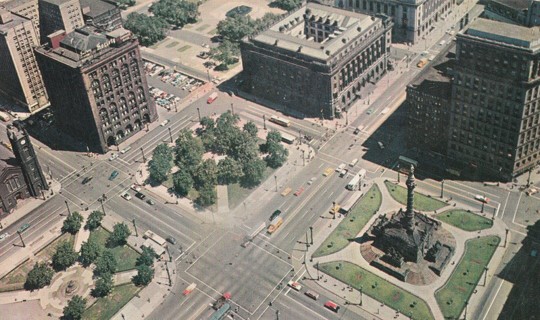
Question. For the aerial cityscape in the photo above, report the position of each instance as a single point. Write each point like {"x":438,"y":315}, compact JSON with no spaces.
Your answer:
{"x":269,"y":159}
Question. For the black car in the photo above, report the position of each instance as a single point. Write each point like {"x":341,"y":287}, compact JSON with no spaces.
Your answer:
{"x":275,"y":214}
{"x":171,"y":240}
{"x":87,"y":179}
{"x":140,"y":195}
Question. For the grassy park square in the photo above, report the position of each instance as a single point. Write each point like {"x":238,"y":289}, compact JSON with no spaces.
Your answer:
{"x":459,"y":287}
{"x":465,"y":220}
{"x":421,"y":202}
{"x":126,"y":257}
{"x":378,"y":288}
{"x":352,"y":224}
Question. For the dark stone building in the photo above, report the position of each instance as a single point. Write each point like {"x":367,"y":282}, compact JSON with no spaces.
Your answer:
{"x":495,"y":109}
{"x":101,"y":14}
{"x":317,"y":60}
{"x":428,"y":105}
{"x":20,"y":173}
{"x":97,"y":85}
{"x":522,"y":12}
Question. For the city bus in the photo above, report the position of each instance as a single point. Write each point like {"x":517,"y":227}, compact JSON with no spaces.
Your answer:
{"x":280,"y":121}
{"x":287,"y":138}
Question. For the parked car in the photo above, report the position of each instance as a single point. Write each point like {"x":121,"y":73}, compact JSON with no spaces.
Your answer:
{"x":275,"y":214}
{"x":113,"y":175}
{"x":171,"y":240}
{"x":150,"y":202}
{"x":126,"y":196}
{"x":3,"y":236}
{"x":87,"y":179}
{"x":113,"y":156}
{"x":481,"y":198}
{"x":135,"y":187}
{"x":140,"y":195}
{"x":295,"y":285}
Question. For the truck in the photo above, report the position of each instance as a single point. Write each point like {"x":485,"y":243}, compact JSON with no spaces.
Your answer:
{"x":354,"y":184}
{"x":189,"y":289}
{"x":274,"y":225}
{"x":221,"y":312}
{"x":422,"y":63}
{"x":212,"y":97}
{"x":221,"y":301}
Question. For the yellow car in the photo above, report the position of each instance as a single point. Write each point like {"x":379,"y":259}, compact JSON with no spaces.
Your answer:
{"x":328,"y":172}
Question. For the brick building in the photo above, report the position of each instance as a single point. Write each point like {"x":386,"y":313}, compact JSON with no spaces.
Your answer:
{"x":99,"y":78}
{"x":317,"y":60}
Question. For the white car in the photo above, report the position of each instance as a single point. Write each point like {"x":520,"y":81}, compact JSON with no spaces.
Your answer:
{"x":136,"y":187}
{"x":340,"y":167}
{"x":113,"y":156}
{"x":164,"y":123}
{"x":126,"y":196}
{"x":4,"y":236}
{"x":481,"y":198}
{"x":295,"y":285}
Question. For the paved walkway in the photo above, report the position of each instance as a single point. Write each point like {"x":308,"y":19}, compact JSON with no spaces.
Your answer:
{"x":351,"y":253}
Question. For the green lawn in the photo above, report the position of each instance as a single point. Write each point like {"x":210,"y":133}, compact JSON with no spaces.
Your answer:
{"x":172,"y":44}
{"x":465,"y":220}
{"x":16,"y":278}
{"x":203,"y":27}
{"x":459,"y":287}
{"x":421,"y":202}
{"x":350,"y":226}
{"x":125,"y":255}
{"x":183,"y":48}
{"x":105,"y":308}
{"x":378,"y":288}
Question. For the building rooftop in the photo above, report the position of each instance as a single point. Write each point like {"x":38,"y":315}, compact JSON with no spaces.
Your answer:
{"x":83,"y":39}
{"x":436,"y":79}
{"x":516,"y":4}
{"x":9,"y":5}
{"x":96,"y":7}
{"x":289,"y":34}
{"x":9,"y":20}
{"x":506,"y":33}
{"x":55,"y":2}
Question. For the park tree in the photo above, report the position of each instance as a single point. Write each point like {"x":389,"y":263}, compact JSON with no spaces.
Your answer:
{"x":229,"y":171}
{"x":227,"y":131}
{"x":106,"y":263}
{"x":119,"y":235}
{"x":176,"y":12}
{"x":287,"y":5}
{"x":253,"y":173}
{"x":251,"y":128}
{"x":64,"y":256}
{"x":227,"y":53}
{"x":73,"y":223}
{"x":90,"y":251}
{"x":266,"y":21}
{"x":103,"y":286}
{"x":208,"y":124}
{"x":94,"y":220}
{"x":206,"y":174}
{"x":147,"y":256}
{"x":144,"y":275}
{"x":148,"y":29}
{"x":236,"y":27}
{"x":206,"y":133}
{"x":277,"y":155}
{"x":183,"y":182}
{"x":207,"y":195}
{"x":188,"y":151}
{"x":39,"y":277}
{"x":160,"y":165}
{"x":75,"y":308}
{"x":243,"y":147}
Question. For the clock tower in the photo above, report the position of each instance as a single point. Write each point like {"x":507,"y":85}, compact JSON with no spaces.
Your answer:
{"x":26,"y":156}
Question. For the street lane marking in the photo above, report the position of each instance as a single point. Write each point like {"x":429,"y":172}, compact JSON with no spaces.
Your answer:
{"x":492,"y":301}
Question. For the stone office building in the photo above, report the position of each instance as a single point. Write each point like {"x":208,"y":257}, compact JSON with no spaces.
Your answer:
{"x":495,"y":109}
{"x":101,"y":14}
{"x":412,"y":19}
{"x":97,"y":85}
{"x":317,"y":60}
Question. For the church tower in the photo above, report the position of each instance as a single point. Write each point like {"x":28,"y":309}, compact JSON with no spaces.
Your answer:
{"x":409,"y":214}
{"x":26,"y":156}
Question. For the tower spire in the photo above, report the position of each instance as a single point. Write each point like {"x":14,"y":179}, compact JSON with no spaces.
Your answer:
{"x":409,"y":214}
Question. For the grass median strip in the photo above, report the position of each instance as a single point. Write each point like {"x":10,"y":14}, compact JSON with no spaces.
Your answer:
{"x":459,"y":287}
{"x":107,"y":307}
{"x":465,"y":220}
{"x":378,"y":288}
{"x":421,"y":202}
{"x":352,"y":224}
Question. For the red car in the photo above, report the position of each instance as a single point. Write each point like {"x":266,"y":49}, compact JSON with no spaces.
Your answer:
{"x":332,"y":306}
{"x":299,"y":192}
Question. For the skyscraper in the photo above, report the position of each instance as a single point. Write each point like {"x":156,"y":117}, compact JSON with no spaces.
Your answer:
{"x":97,"y":85}
{"x":20,"y":78}
{"x":57,"y":15}
{"x":25,"y":8}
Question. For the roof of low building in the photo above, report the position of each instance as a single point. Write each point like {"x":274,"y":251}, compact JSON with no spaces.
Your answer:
{"x":516,"y":4}
{"x":97,"y":7}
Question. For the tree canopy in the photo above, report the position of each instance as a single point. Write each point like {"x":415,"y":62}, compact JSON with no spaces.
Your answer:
{"x":160,"y":165}
{"x":75,"y":308}
{"x":287,"y":5}
{"x":119,"y":235}
{"x":90,"y":251}
{"x":207,"y":196}
{"x":147,"y":256}
{"x":236,"y":27}
{"x":106,"y":263}
{"x":176,"y":12}
{"x":73,"y":223}
{"x":229,"y":171}
{"x":251,"y":128}
{"x":253,"y":173}
{"x":39,"y":277}
{"x":227,"y":53}
{"x":148,"y":29}
{"x":144,"y":275}
{"x":94,"y":220}
{"x":103,"y":286}
{"x":188,"y":150}
{"x":182,"y":181}
{"x":64,"y":256}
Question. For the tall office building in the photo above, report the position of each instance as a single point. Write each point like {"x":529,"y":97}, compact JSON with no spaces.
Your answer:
{"x":413,"y":19}
{"x":55,"y":15}
{"x":317,"y":60}
{"x":495,"y":109}
{"x":25,"y":8}
{"x":20,"y":78}
{"x":97,"y":85}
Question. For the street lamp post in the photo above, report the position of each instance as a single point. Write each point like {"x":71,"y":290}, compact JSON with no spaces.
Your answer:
{"x":143,"y":157}
{"x":275,"y":179}
{"x":101,"y":200}
{"x":67,"y":206}
{"x":318,"y":277}
{"x":360,"y":295}
{"x":20,"y":236}
{"x":505,"y":237}
{"x":170,"y":134}
{"x":482,"y":209}
{"x":442,"y":188}
{"x":485,"y":275}
{"x":398,"y":175}
{"x":199,"y":112}
{"x":304,"y":157}
{"x":334,"y":209}
{"x":264,"y":122}
{"x":232,"y":108}
{"x":311,"y":232}
{"x":135,"y":226}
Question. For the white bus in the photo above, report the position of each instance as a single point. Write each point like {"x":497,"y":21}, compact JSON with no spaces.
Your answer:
{"x":280,"y":121}
{"x":287,"y":138}
{"x":349,"y":201}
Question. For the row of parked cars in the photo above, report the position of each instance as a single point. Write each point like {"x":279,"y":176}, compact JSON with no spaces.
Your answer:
{"x":152,"y":69}
{"x":180,"y":80}
{"x":163,"y":99}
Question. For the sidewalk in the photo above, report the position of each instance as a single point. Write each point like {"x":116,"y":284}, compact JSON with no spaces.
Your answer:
{"x":351,"y":253}
{"x":30,"y":204}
